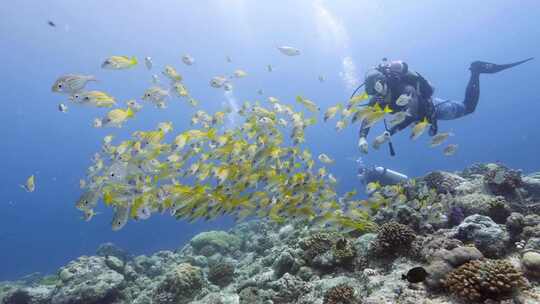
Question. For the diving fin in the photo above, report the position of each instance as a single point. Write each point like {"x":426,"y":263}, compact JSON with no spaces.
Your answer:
{"x":491,"y":68}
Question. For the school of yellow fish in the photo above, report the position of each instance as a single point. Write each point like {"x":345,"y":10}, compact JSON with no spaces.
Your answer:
{"x":256,"y":168}
{"x":357,"y":111}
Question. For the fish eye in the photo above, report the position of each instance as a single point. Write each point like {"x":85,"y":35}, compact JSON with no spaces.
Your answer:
{"x":59,"y":85}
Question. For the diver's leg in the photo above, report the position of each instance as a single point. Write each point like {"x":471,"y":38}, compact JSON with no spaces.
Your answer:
{"x":472,"y":93}
{"x":448,"y":109}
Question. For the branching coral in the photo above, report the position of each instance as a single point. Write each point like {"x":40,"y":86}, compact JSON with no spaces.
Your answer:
{"x":479,"y":280}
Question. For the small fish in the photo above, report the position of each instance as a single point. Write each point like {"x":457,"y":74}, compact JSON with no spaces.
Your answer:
{"x":229,"y":59}
{"x":166,"y":127}
{"x":97,"y":123}
{"x":188,"y":60}
{"x":88,"y":200}
{"x":71,"y":83}
{"x":218,"y":81}
{"x":332,"y":111}
{"x":310,"y":105}
{"x":419,"y":128}
{"x":107,"y":139}
{"x":375,"y":114}
{"x":415,"y":275}
{"x":289,"y":50}
{"x":134,"y":105}
{"x":51,"y":23}
{"x":398,"y":118}
{"x":269,"y":68}
{"x":325,"y":159}
{"x":62,"y":108}
{"x":180,"y":89}
{"x":143,"y":213}
{"x":228,"y":86}
{"x":372,"y":187}
{"x":357,"y":99}
{"x":340,"y":125}
{"x":380,"y":140}
{"x":89,"y":214}
{"x":403,"y":100}
{"x":30,"y":185}
{"x":155,"y":79}
{"x":439,"y":139}
{"x":119,"y":62}
{"x":260,"y":92}
{"x":155,"y":94}
{"x":148,"y":62}
{"x":95,"y":98}
{"x":273,"y":100}
{"x":172,"y":74}
{"x":321,"y":78}
{"x":450,"y":150}
{"x":240,"y":74}
{"x":120,"y":217}
{"x":117,"y":117}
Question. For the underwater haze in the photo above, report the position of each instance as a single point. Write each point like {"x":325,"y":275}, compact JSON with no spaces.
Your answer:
{"x":341,"y":40}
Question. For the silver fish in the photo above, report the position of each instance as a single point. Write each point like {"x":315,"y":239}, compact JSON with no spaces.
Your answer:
{"x":71,"y":83}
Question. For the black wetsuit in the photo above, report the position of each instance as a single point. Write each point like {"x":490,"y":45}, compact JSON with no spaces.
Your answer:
{"x":422,"y":103}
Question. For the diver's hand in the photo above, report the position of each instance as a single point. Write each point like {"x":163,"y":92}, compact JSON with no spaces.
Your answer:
{"x":363,"y":145}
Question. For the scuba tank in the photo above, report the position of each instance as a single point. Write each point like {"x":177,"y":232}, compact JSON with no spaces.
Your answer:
{"x":389,"y":177}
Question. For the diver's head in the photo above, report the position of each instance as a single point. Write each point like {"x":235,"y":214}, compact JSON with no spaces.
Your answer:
{"x":380,"y":77}
{"x":375,"y":82}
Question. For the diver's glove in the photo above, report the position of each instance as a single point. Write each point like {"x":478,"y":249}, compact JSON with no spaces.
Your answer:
{"x":363,"y":145}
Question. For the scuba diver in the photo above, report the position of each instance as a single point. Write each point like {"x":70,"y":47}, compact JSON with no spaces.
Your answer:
{"x":381,"y":175}
{"x":392,"y":83}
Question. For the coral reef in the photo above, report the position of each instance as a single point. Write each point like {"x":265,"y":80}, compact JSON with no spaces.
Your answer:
{"x":491,"y":239}
{"x":477,"y":281}
{"x":443,"y":182}
{"x":393,"y":238}
{"x":221,"y":273}
{"x":503,"y":181}
{"x":476,"y":233}
{"x":340,"y":294}
{"x":180,"y":285}
{"x":208,"y":243}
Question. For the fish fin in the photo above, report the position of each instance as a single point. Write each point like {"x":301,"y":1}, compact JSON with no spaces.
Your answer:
{"x":134,"y":60}
{"x":130,"y":112}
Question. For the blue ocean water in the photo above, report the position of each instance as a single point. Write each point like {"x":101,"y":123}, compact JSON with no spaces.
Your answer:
{"x":41,"y":231}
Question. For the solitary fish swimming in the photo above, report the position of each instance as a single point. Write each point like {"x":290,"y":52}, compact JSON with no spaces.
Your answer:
{"x":415,"y":275}
{"x":289,"y":50}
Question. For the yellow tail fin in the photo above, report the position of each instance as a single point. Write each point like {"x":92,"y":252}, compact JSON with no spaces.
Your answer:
{"x":130,"y":113}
